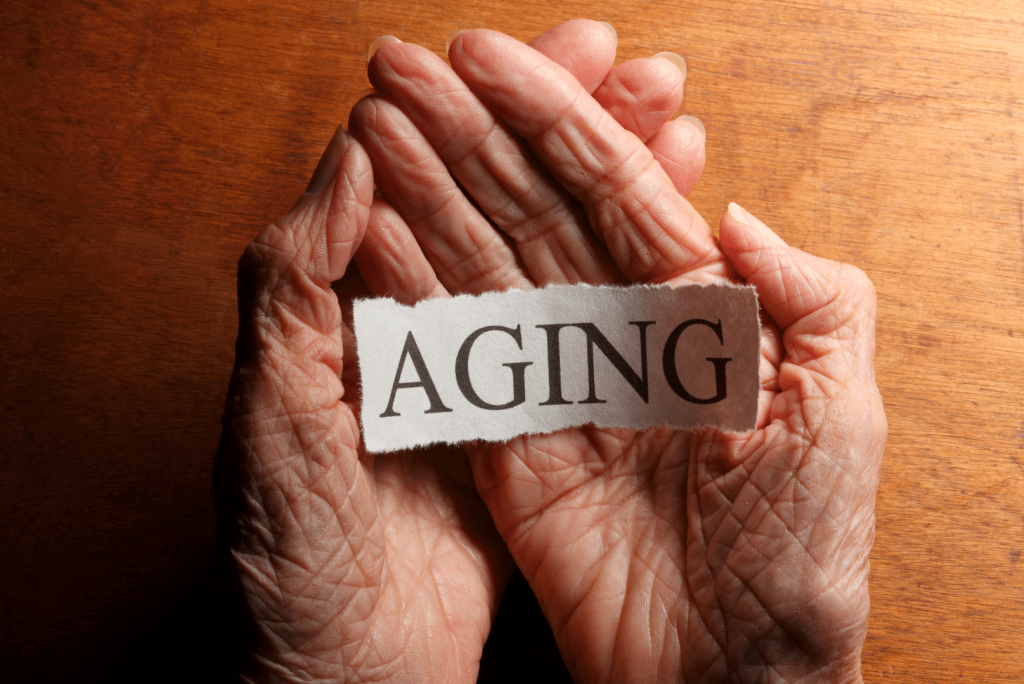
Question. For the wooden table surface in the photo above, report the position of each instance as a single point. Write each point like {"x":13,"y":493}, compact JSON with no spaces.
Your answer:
{"x":143,"y":144}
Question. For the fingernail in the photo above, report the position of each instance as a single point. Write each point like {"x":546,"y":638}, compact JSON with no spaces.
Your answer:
{"x":748,"y":219}
{"x":330,"y":160}
{"x":611,"y":28}
{"x":378,"y":43}
{"x":675,"y":59}
{"x":696,"y":124}
{"x":451,"y":38}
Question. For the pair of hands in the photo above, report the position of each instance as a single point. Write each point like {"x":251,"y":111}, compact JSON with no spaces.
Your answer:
{"x":655,"y":554}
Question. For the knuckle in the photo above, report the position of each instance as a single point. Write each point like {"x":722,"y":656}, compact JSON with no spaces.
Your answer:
{"x":259,"y":259}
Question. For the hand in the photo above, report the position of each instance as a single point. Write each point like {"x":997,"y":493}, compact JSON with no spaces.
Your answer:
{"x":352,"y":568}
{"x":655,"y":554}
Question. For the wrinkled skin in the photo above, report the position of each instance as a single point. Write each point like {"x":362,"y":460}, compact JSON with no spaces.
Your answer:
{"x":655,"y":554}
{"x":355,"y":568}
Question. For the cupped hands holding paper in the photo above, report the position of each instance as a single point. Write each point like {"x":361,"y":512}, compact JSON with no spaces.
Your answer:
{"x":656,"y":554}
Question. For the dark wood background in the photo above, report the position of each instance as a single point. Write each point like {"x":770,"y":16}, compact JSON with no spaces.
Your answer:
{"x":143,"y":144}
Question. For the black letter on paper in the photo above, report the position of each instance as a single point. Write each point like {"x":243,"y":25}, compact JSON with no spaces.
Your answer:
{"x":413,"y":352}
{"x":554,"y":365}
{"x":668,"y":361}
{"x":596,"y":338}
{"x":518,"y":371}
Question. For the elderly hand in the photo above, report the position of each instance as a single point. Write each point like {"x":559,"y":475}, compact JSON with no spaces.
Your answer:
{"x":655,"y":554}
{"x":353,"y":567}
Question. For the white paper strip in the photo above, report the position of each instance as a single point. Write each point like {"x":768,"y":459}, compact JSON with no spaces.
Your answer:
{"x":508,"y":363}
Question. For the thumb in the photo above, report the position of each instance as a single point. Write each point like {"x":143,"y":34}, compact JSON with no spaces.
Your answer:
{"x":287,"y":310}
{"x":824,"y":309}
{"x":327,"y":223}
{"x":293,"y":262}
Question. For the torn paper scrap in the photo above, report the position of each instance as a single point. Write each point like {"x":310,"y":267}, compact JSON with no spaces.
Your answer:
{"x":503,"y":364}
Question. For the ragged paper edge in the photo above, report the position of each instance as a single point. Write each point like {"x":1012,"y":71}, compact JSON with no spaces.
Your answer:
{"x":426,"y":303}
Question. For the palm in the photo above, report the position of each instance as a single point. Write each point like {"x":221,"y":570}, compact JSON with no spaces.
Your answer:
{"x":652,"y":559}
{"x":706,"y":554}
{"x":782,"y":521}
{"x":441,"y":570}
{"x":587,"y":514}
{"x":542,"y":491}
{"x":436,"y":567}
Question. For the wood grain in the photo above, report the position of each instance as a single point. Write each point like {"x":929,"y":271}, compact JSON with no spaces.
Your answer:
{"x":143,"y":144}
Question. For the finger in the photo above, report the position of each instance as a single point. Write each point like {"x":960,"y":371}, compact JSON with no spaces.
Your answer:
{"x":350,"y":288}
{"x":454,"y":131}
{"x":825,"y":309}
{"x":827,"y":399}
{"x":290,"y":341}
{"x":642,"y":94}
{"x":289,"y":267}
{"x":585,"y":48}
{"x":652,"y":233}
{"x":391,"y":261}
{"x":464,"y":250}
{"x":324,"y":228}
{"x":679,"y":147}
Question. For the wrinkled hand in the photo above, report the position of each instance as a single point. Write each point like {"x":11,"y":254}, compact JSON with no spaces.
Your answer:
{"x":655,"y":554}
{"x":354,"y":568}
